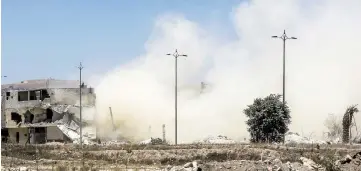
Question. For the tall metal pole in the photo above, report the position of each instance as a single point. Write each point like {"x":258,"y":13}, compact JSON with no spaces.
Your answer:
{"x":284,"y":72}
{"x":176,"y":98}
{"x":176,"y":55}
{"x":284,"y":38}
{"x":80,"y":111}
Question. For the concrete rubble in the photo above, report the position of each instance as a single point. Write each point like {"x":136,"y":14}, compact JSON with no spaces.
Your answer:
{"x":152,"y":141}
{"x":295,"y":138}
{"x":310,"y":164}
{"x":348,"y":159}
{"x":268,"y":165}
{"x":217,"y":140}
{"x":68,"y":124}
{"x":74,"y":135}
{"x":114,"y":142}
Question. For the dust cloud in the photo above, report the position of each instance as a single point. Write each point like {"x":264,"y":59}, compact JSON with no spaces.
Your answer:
{"x":323,"y":71}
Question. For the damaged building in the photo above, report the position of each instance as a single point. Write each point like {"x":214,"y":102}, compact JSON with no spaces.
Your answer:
{"x":40,"y":111}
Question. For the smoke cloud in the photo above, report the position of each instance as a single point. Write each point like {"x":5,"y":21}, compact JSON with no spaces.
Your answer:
{"x":323,"y":71}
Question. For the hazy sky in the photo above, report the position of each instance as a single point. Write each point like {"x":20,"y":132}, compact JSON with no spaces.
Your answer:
{"x":43,"y":38}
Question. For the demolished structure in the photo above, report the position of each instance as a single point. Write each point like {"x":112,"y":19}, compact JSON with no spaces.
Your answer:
{"x":347,"y":123}
{"x":40,"y":111}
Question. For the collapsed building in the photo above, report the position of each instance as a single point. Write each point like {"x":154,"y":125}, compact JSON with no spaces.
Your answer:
{"x":40,"y":111}
{"x":347,"y":119}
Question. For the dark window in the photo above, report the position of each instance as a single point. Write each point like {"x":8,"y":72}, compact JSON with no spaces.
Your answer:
{"x":16,"y":117}
{"x":32,"y":95}
{"x":4,"y":134}
{"x":40,"y":130}
{"x":23,"y":96}
{"x":7,"y":95}
{"x":17,"y":137}
{"x":44,"y":94}
{"x":49,"y":115}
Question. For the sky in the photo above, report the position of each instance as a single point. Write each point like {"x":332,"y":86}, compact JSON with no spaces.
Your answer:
{"x":122,"y":45}
{"x":50,"y":38}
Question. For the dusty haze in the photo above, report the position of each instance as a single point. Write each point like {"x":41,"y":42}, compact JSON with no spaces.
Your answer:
{"x":323,"y":71}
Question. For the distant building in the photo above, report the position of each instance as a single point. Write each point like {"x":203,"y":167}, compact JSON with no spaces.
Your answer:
{"x":38,"y":111}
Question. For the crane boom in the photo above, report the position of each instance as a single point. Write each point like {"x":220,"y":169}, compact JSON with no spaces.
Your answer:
{"x":111,"y":116}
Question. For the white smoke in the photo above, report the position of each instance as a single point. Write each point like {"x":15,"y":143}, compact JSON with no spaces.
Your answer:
{"x":323,"y":71}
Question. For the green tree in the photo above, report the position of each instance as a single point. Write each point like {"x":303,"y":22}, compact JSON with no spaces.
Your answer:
{"x":268,"y":119}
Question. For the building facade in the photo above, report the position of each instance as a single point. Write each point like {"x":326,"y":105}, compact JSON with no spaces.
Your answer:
{"x":34,"y":110}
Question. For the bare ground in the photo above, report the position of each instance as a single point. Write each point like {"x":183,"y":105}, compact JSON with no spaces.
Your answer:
{"x":164,"y":157}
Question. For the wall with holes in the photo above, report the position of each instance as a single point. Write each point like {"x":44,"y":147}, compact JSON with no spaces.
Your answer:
{"x":28,"y":104}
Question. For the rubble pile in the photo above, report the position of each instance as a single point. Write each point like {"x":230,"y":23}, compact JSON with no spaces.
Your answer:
{"x":217,"y":140}
{"x":336,"y":140}
{"x":292,"y":137}
{"x":54,"y":143}
{"x":72,"y":132}
{"x":348,"y":159}
{"x":114,"y":142}
{"x":310,"y":164}
{"x":269,"y":165}
{"x":152,"y":141}
{"x":192,"y":166}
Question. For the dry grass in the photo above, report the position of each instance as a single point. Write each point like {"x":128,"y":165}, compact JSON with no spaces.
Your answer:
{"x":69,"y":156}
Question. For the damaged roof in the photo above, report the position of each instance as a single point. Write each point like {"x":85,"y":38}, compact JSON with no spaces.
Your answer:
{"x":30,"y":125}
{"x":42,"y":84}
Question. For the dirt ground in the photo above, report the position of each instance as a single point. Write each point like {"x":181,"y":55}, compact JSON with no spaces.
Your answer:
{"x":239,"y":157}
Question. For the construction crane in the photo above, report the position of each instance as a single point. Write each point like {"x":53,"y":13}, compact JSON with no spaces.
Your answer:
{"x":111,"y":116}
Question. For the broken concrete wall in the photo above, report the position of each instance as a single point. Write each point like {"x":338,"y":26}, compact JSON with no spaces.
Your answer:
{"x":35,"y":134}
{"x":53,"y":133}
{"x":3,"y":98}
{"x":29,"y":116}
{"x":18,"y":135}
{"x":57,"y":116}
{"x":13,"y":118}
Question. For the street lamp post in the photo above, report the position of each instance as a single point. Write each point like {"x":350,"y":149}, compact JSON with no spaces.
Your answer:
{"x":284,"y":38}
{"x":80,"y":110}
{"x":176,"y":55}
